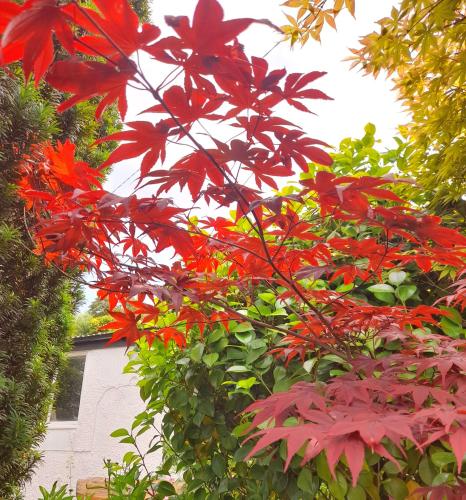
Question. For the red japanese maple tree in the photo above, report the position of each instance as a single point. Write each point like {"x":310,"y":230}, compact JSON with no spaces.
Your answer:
{"x":273,"y":238}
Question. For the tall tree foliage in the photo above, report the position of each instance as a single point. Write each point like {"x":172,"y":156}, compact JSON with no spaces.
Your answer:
{"x":277,"y":242}
{"x":36,"y":301}
{"x":421,"y":46}
{"x":35,"y":304}
{"x":311,"y":16}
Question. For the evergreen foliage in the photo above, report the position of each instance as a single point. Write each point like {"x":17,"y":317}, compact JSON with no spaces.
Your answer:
{"x":35,"y":300}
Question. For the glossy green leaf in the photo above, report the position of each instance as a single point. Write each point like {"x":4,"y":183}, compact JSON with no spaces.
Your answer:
{"x":119,"y":433}
{"x":238,"y":369}
{"x":356,"y":493}
{"x":219,"y":465}
{"x":267,"y":297}
{"x":242,"y":327}
{"x":396,"y":488}
{"x":279,"y":373}
{"x":381,"y":288}
{"x":214,"y":336}
{"x":210,"y":359}
{"x":323,"y":470}
{"x":388,"y":298}
{"x":427,"y":471}
{"x":166,"y":489}
{"x":443,"y":458}
{"x":245,"y":337}
{"x":404,"y":292}
{"x":305,"y":482}
{"x":246,"y":383}
{"x":196,"y":352}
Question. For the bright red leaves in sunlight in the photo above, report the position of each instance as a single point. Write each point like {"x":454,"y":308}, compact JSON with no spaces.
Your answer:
{"x":150,"y":256}
{"x":113,"y":31}
{"x":125,"y":325}
{"x":188,"y":107}
{"x":28,"y":34}
{"x":144,"y":138}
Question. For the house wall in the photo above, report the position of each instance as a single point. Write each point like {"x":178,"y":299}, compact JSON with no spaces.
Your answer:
{"x":76,"y":450}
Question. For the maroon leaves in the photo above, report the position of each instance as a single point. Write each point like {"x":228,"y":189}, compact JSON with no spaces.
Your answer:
{"x":191,"y":171}
{"x":458,"y":444}
{"x":209,"y":33}
{"x":356,"y":416}
{"x":90,"y":79}
{"x":188,"y":107}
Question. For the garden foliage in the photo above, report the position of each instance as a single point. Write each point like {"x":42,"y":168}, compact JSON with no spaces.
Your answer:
{"x":334,"y":254}
{"x":193,"y":395}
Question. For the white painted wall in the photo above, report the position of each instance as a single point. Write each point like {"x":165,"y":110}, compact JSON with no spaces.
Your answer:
{"x":109,"y":400}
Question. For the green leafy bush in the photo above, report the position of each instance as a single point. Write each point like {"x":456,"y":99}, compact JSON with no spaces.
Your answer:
{"x":200,"y":391}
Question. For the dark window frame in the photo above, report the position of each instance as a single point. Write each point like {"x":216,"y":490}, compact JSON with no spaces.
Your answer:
{"x":69,"y":414}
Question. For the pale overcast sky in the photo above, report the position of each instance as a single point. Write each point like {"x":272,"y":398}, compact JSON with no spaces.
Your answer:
{"x":357,"y":100}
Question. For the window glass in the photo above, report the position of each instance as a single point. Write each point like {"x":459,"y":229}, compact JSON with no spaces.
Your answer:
{"x":66,"y":407}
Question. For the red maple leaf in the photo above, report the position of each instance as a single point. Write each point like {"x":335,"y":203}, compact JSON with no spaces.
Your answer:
{"x":142,"y":138}
{"x":188,"y":107}
{"x":295,"y":146}
{"x":8,"y":10}
{"x":191,"y":170}
{"x":115,"y":30}
{"x":257,"y":126}
{"x":169,"y":333}
{"x":209,"y":33}
{"x":61,"y":162}
{"x":90,"y":79}
{"x":28,"y":35}
{"x":124,"y":326}
{"x":294,"y":89}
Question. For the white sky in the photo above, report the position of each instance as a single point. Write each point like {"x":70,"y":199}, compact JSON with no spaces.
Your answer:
{"x":357,"y":100}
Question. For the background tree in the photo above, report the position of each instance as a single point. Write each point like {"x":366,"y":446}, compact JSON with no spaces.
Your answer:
{"x":421,"y":45}
{"x":36,"y":301}
{"x":311,"y":16}
{"x":90,"y":321}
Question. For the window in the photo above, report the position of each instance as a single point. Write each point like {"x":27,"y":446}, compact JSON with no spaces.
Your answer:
{"x":66,"y":407}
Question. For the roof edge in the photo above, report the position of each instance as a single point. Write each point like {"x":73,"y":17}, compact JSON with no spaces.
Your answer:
{"x":97,"y":341}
